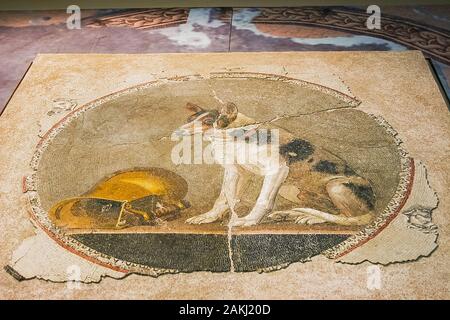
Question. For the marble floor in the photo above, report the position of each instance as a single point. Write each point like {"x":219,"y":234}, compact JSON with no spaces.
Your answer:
{"x":25,"y":34}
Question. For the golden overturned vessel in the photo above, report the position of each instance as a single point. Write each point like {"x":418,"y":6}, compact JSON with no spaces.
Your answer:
{"x":124,"y":199}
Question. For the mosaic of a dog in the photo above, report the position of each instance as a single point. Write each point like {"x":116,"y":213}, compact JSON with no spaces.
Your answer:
{"x":323,"y":186}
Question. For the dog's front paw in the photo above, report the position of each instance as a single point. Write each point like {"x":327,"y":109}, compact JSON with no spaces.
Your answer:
{"x":244,"y":222}
{"x":207,"y":217}
{"x":251,"y":219}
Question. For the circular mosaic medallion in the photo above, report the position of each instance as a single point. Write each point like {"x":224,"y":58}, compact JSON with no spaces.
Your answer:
{"x":108,"y":186}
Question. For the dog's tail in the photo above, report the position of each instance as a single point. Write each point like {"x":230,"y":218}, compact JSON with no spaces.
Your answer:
{"x":318,"y":216}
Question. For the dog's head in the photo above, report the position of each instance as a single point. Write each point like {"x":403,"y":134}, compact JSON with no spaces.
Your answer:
{"x":201,"y":120}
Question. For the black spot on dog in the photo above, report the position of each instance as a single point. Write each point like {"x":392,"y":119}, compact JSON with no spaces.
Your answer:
{"x":349,"y":171}
{"x":296,"y":150}
{"x":326,"y":167}
{"x":259,"y":137}
{"x":364,"y":192}
{"x":223,"y":121}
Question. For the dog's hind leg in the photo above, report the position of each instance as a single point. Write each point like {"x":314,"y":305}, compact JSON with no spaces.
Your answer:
{"x":353,"y":197}
{"x":313,"y":216}
{"x":297,"y":215}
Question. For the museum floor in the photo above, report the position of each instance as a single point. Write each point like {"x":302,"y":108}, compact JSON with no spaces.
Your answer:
{"x":25,"y":34}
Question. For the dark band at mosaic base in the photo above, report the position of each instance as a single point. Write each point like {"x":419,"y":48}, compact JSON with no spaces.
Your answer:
{"x":250,"y":252}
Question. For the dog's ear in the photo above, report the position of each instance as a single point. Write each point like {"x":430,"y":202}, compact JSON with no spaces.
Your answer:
{"x":230,"y":110}
{"x":193,"y":107}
